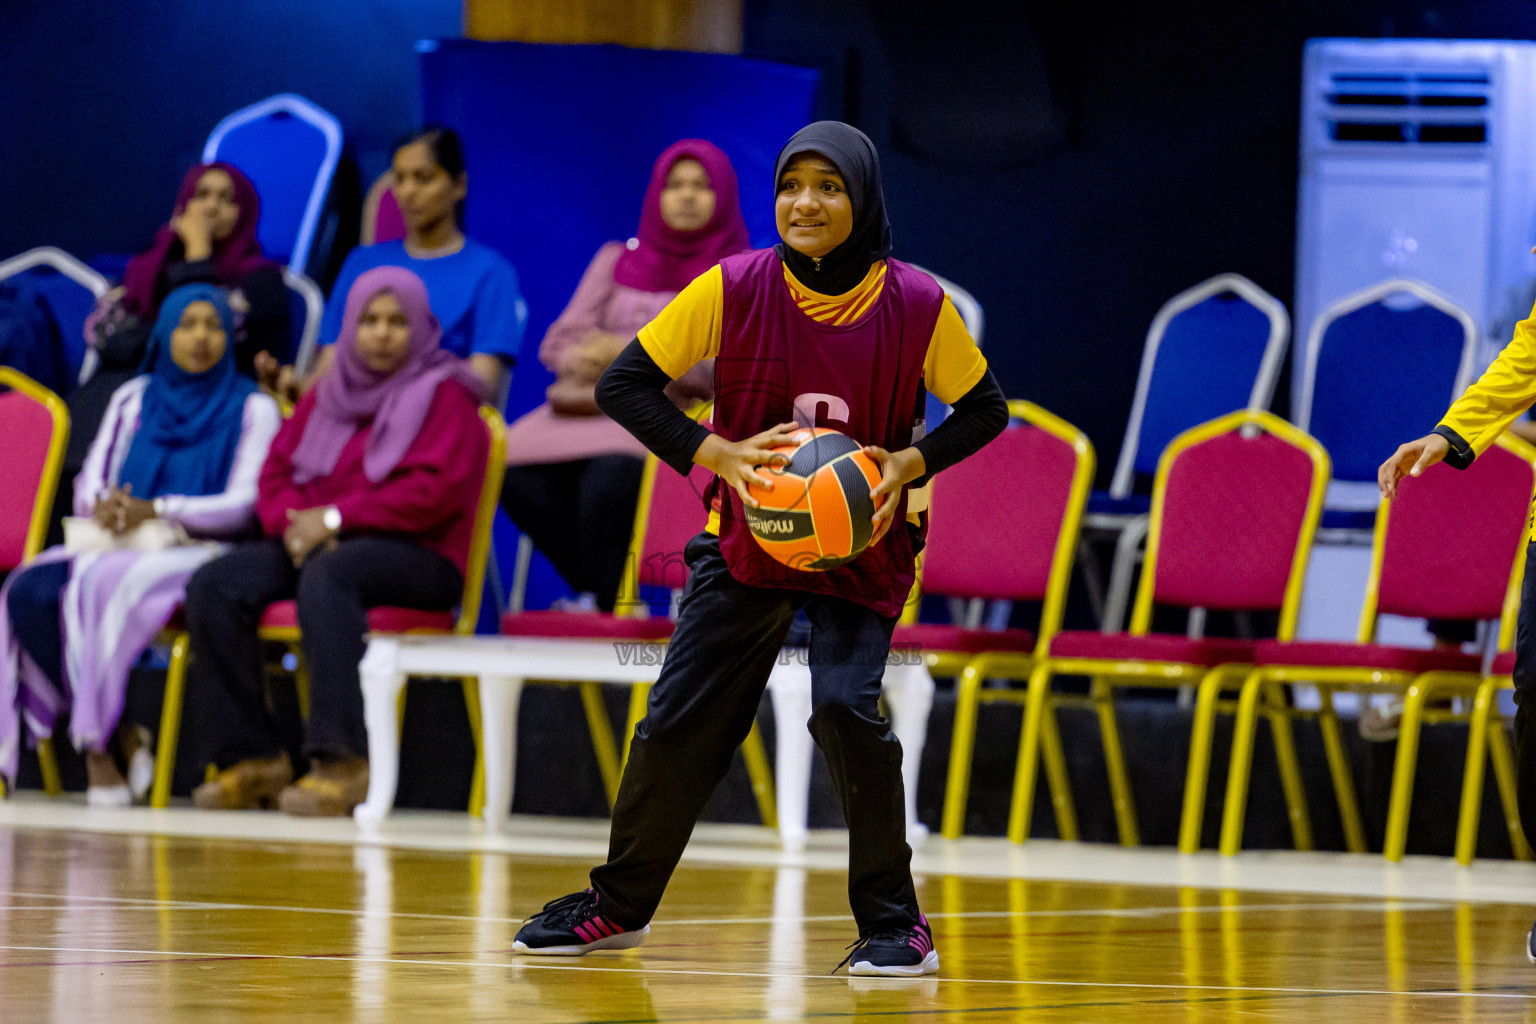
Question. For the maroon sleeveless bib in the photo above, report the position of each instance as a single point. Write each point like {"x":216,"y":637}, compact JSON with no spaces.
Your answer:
{"x":864,"y":379}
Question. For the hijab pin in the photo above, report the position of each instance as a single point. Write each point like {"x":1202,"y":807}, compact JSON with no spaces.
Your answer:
{"x":632,"y":244}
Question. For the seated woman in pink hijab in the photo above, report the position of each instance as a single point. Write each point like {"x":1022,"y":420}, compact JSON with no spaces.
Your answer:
{"x":573,"y":475}
{"x":367,"y":498}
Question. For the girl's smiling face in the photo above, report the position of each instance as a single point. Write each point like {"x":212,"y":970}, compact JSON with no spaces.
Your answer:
{"x":813,"y":209}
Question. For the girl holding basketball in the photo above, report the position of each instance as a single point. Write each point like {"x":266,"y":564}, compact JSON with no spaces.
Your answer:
{"x":823,"y":330}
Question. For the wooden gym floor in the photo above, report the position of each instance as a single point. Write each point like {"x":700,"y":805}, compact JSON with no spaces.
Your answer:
{"x":182,"y":916}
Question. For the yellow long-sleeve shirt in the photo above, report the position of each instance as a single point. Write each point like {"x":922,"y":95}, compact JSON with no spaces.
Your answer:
{"x":1498,"y":398}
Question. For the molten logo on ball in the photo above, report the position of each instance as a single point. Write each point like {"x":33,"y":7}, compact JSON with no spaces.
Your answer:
{"x":817,"y":516}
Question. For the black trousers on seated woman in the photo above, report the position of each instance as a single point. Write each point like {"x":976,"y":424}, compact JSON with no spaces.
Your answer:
{"x":334,"y":590}
{"x":580,"y":515}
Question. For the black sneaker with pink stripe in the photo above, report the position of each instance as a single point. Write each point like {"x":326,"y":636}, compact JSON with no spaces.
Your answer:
{"x":894,"y":952}
{"x":573,"y":925}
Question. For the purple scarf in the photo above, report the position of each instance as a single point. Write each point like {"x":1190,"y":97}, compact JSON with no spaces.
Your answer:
{"x":665,"y":260}
{"x":233,"y":258}
{"x":351,"y":395}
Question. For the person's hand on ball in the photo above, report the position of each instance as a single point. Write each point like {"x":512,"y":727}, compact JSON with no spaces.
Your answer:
{"x":897,"y":469}
{"x":737,"y":462}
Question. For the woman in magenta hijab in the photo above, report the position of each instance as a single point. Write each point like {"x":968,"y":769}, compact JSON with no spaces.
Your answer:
{"x":367,"y":498}
{"x":573,"y":475}
{"x":210,"y":239}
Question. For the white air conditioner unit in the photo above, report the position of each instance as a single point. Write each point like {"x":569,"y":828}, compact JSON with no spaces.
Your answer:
{"x":1417,"y":160}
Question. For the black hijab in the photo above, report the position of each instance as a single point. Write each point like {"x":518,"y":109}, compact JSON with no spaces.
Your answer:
{"x":870,"y":240}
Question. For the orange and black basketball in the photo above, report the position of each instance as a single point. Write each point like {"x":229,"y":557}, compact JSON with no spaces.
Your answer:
{"x":817,"y":516}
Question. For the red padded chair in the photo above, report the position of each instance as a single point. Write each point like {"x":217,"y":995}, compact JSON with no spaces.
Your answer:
{"x":35,"y":424}
{"x":669,"y":513}
{"x":1448,"y":546}
{"x":1021,"y":496}
{"x":1234,"y":507}
{"x":382,"y":221}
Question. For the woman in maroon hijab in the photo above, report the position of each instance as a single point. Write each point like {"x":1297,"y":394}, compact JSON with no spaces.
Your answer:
{"x":210,"y":239}
{"x":367,"y":498}
{"x":572,"y":473}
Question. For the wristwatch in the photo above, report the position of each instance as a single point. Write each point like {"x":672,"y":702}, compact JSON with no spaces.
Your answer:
{"x":331,"y":520}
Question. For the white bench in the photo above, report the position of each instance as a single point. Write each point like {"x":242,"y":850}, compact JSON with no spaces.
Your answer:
{"x":502,"y":664}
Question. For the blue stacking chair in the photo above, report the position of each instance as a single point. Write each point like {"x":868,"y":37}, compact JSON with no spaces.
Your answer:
{"x":1212,"y":349}
{"x":289,"y":148}
{"x":70,"y":288}
{"x":1380,"y":366}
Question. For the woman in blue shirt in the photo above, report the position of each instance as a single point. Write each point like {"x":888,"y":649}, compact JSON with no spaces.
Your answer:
{"x":473,"y":288}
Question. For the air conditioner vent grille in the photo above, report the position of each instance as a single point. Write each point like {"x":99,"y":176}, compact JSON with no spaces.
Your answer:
{"x":1428,"y":108}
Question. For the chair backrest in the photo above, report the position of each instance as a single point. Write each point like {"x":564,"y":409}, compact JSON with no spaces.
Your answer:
{"x":975,"y":325}
{"x":382,"y":220}
{"x":1509,"y":618}
{"x":1213,"y":348}
{"x":485,"y":518}
{"x":35,"y":425}
{"x":289,"y":148}
{"x":1447,"y":544}
{"x":1003,"y":524}
{"x":1380,"y":364}
{"x":1235,"y":505}
{"x":964,"y":302}
{"x":670,"y":512}
{"x":68,"y":286}
{"x":306,"y":306}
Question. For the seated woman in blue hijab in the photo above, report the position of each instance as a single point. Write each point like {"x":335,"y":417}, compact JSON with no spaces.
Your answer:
{"x":181,"y":444}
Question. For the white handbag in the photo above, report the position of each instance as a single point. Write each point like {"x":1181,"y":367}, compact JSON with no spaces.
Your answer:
{"x":82,"y":534}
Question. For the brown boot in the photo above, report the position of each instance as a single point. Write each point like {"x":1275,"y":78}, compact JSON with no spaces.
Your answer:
{"x":249,"y":784}
{"x":331,"y":789}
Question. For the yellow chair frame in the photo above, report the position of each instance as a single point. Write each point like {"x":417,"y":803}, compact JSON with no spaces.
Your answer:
{"x":1263,"y":693}
{"x":972,"y":670}
{"x":464,"y":625}
{"x":42,"y":508}
{"x":1486,"y":739}
{"x":1040,"y":728}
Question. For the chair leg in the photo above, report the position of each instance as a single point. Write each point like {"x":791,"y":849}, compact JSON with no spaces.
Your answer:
{"x":602,"y":738}
{"x":1343,"y":776}
{"x":1114,"y":763}
{"x":301,"y":679}
{"x":1058,"y":783}
{"x":753,"y":752}
{"x":1398,"y":805}
{"x":1472,"y":774}
{"x":170,"y":721}
{"x":908,"y":692}
{"x":471,"y":687}
{"x":499,"y":700}
{"x":1235,"y":806}
{"x":1290,"y":769}
{"x":639,"y":697}
{"x":49,"y":765}
{"x":1197,"y":774}
{"x":1021,"y":808}
{"x":383,"y":685}
{"x":1504,"y":778}
{"x":962,"y":749}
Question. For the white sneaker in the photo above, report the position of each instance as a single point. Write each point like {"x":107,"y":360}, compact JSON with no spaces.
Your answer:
{"x":141,"y":774}
{"x":108,"y":796}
